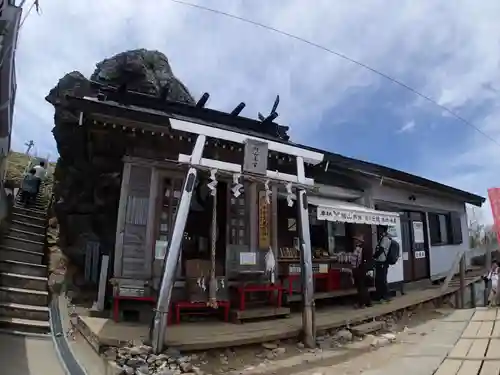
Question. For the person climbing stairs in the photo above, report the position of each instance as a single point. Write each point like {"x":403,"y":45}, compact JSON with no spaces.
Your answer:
{"x":24,"y":296}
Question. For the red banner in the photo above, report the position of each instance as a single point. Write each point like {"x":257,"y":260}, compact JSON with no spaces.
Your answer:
{"x":494,"y":196}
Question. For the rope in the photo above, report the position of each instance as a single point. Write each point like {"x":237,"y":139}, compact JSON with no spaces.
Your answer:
{"x":212,"y":301}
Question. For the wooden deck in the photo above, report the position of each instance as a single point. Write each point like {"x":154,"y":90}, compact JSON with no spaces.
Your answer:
{"x":477,"y":352}
{"x":202,"y":336}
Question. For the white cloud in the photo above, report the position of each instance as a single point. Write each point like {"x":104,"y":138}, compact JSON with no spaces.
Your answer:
{"x":448,"y":50}
{"x":408,"y":127}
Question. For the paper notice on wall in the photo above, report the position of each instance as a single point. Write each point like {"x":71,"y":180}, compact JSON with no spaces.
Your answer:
{"x":418,"y":232}
{"x":419,"y":254}
{"x":248,"y":259}
{"x":405,"y":256}
{"x":160,"y":249}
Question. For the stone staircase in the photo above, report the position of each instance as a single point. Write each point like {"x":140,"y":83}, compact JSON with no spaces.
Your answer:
{"x":24,"y":296}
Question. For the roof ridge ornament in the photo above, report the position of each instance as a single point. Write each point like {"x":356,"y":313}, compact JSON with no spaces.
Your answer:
{"x":212,"y":185}
{"x":273,"y":114}
{"x":289,"y":194}
{"x":236,"y":189}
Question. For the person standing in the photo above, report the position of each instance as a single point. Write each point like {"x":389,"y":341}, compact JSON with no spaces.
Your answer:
{"x":382,"y":265}
{"x":492,"y":277}
{"x":359,"y":270}
{"x":28,"y":188}
{"x":40,"y":174}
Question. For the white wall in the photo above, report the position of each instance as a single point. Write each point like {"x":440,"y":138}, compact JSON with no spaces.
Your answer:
{"x":441,"y":257}
{"x":396,"y":272}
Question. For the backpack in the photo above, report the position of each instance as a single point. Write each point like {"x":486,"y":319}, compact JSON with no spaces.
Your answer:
{"x":393,"y":253}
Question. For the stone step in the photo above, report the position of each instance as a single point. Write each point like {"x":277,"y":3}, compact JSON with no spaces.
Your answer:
{"x":20,"y":255}
{"x":16,"y":310}
{"x":38,"y":198}
{"x":23,"y":268}
{"x":367,"y":328}
{"x":30,"y":207}
{"x":21,"y":243}
{"x":28,"y":219}
{"x":27,"y":235}
{"x":24,"y":296}
{"x":30,"y":212}
{"x":24,"y":325}
{"x":27,"y":226}
{"x":16,"y":280}
{"x":38,"y":201}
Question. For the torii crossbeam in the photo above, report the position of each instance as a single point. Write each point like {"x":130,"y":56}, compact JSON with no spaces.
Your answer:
{"x":196,"y":162}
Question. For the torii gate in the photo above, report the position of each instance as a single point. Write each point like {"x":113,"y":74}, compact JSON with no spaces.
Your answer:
{"x":196,"y":161}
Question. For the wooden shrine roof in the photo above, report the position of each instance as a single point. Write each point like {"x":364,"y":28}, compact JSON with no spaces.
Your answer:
{"x":148,"y":113}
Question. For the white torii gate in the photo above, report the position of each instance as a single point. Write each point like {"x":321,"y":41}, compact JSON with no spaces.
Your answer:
{"x":196,"y":161}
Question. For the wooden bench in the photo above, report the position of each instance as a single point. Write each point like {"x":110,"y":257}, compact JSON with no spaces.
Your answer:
{"x":251,"y":288}
{"x":186,"y":305}
{"x":117,"y":299}
{"x":322,"y":276}
{"x":116,"y":305}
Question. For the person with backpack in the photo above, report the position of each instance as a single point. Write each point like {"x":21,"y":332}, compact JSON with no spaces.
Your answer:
{"x":386,"y":254}
{"x":28,"y":188}
{"x":40,"y":174}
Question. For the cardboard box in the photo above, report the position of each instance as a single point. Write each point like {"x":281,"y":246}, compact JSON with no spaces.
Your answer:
{"x":197,"y":268}
{"x":201,"y":268}
{"x":194,"y":291}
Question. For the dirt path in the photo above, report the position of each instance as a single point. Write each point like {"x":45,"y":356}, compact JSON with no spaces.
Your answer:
{"x":21,"y":355}
{"x":372,"y":359}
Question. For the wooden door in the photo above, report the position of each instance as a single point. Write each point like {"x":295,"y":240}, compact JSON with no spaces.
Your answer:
{"x":406,"y":247}
{"x":419,"y":245}
{"x":168,"y":199}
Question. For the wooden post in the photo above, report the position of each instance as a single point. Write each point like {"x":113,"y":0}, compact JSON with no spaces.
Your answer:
{"x":473,"y":295}
{"x":308,"y":308}
{"x":274,"y":227}
{"x":486,"y":291}
{"x":253,"y":208}
{"x":462,"y":281}
{"x":120,"y":222}
{"x":151,"y":224}
{"x":103,"y":281}
{"x":488,"y":260}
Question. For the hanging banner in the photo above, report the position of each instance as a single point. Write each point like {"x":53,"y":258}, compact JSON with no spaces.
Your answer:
{"x":494,"y":196}
{"x":264,"y":232}
{"x":356,"y":217}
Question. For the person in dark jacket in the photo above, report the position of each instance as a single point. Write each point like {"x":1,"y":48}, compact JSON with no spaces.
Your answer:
{"x":381,"y":265}
{"x":359,"y":271}
{"x":29,"y":188}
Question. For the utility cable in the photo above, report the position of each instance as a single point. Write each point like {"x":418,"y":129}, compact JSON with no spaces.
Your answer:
{"x":342,"y":56}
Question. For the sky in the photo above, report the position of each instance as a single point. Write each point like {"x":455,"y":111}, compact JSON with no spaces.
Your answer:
{"x":447,"y":50}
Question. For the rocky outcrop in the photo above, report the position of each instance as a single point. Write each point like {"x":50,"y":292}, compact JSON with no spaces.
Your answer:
{"x":87,"y":182}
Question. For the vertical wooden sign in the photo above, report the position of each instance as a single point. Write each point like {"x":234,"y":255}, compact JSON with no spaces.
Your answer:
{"x":264,"y":222}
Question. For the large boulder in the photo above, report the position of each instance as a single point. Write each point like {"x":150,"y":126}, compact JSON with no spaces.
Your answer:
{"x":87,"y":183}
{"x":144,"y":71}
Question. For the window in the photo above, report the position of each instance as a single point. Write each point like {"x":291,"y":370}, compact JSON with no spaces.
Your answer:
{"x":445,"y":229}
